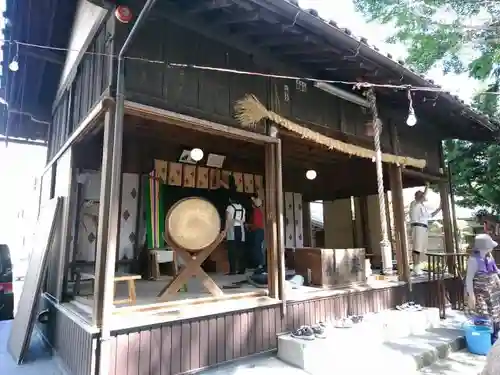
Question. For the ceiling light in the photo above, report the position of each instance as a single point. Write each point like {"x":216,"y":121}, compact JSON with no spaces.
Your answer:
{"x":311,"y":174}
{"x":196,"y":154}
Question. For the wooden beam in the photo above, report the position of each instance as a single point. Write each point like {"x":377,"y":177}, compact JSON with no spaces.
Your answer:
{"x":302,"y":50}
{"x":207,"y":6}
{"x":43,"y":55}
{"x":232,"y":20}
{"x":282,"y":40}
{"x":426,"y":176}
{"x":185,"y":121}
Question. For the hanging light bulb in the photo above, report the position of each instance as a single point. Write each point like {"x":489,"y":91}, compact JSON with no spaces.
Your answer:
{"x":411,"y":120}
{"x":14,"y":64}
{"x":311,"y":174}
{"x":196,"y":154}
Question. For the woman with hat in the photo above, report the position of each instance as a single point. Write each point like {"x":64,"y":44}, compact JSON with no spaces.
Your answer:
{"x":482,"y":284}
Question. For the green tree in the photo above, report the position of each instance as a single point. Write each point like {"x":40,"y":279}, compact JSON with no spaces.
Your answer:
{"x":461,"y":36}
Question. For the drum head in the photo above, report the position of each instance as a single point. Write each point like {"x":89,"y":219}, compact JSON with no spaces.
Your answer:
{"x":193,"y":223}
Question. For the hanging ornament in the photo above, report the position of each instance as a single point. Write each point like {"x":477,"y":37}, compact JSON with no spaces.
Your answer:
{"x":123,"y":14}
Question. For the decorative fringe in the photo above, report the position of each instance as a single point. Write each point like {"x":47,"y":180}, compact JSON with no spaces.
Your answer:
{"x":249,"y":111}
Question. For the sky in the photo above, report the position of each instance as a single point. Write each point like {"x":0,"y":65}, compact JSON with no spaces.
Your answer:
{"x":344,"y":13}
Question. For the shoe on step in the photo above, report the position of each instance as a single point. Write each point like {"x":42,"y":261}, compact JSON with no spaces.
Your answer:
{"x":304,"y":333}
{"x":319,"y":331}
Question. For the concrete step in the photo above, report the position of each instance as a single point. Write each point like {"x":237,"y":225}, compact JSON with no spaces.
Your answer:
{"x":385,"y":343}
{"x":458,"y":363}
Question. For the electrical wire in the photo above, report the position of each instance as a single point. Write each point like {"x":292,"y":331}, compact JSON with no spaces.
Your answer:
{"x":353,"y":84}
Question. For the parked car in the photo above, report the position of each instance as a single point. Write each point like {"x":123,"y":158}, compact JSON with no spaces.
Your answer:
{"x":6,"y":288}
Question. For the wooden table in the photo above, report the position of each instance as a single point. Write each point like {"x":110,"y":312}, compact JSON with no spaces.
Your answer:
{"x":119,"y":277}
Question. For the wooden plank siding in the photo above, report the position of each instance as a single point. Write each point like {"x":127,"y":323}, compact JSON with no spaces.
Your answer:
{"x":211,"y":95}
{"x":91,"y":80}
{"x":71,"y":340}
{"x":182,"y":346}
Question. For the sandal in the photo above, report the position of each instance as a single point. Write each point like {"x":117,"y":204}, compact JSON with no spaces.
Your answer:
{"x":304,"y":333}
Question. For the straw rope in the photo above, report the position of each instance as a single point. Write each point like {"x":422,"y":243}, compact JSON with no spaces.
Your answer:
{"x":249,"y":111}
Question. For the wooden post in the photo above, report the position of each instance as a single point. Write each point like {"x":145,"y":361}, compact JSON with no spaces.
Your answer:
{"x":102,"y":229}
{"x":399,"y":223}
{"x":280,"y":225}
{"x":456,"y":234}
{"x":271,"y":221}
{"x":444,"y":192}
{"x":398,"y":209}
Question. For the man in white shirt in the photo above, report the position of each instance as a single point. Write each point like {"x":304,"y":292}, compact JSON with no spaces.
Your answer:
{"x":419,"y":222}
{"x":235,"y":237}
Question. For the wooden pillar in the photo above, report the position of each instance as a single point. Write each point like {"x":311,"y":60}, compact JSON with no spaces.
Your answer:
{"x":402,"y":258}
{"x":307,"y":223}
{"x":398,"y":209}
{"x":280,"y":225}
{"x":444,"y":192}
{"x":271,"y":220}
{"x":102,"y":228}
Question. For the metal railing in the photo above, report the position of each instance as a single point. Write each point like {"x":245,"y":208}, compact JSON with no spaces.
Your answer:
{"x":447,"y":272}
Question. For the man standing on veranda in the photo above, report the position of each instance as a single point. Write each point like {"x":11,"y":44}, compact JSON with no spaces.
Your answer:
{"x":419,"y":222}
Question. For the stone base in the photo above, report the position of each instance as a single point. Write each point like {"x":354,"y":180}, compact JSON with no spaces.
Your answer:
{"x":393,"y":340}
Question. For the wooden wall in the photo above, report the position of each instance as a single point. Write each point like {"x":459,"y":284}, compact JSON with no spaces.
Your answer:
{"x":73,"y":342}
{"x":92,"y":78}
{"x":174,"y":348}
{"x":212,"y":95}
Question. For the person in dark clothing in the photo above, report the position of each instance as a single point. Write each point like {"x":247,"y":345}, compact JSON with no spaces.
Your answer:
{"x":256,"y":227}
{"x":235,"y":236}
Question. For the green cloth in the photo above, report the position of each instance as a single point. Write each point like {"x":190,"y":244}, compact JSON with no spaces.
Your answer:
{"x":155,"y":212}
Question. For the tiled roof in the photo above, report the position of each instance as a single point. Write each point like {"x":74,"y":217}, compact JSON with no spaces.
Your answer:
{"x":420,"y":78}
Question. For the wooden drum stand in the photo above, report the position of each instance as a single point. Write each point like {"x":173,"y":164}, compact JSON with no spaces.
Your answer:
{"x":193,"y":231}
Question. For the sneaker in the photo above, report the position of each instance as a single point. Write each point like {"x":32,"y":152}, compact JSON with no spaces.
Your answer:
{"x":304,"y":333}
{"x":319,"y":331}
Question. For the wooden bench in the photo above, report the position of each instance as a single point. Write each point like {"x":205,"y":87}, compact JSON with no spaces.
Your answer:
{"x":119,"y":277}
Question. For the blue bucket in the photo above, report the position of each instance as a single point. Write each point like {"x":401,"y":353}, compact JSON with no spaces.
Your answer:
{"x":478,"y":338}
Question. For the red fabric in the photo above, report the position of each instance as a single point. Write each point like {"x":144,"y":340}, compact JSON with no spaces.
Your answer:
{"x":257,"y":218}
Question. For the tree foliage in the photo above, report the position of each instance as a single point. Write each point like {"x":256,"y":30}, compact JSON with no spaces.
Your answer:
{"x":461,"y":36}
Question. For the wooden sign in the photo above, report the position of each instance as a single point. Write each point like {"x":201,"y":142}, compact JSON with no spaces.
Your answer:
{"x":189,"y":176}
{"x":238,"y":179}
{"x":215,"y":177}
{"x":24,"y":321}
{"x":249,"y":183}
{"x":175,"y":174}
{"x":202,"y":178}
{"x":161,"y":170}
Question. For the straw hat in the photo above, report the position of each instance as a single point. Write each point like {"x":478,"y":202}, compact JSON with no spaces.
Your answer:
{"x":257,"y":202}
{"x":484,"y":242}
